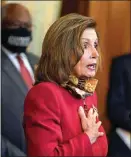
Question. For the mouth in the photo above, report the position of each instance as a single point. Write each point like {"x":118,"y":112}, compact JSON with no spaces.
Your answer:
{"x":91,"y":67}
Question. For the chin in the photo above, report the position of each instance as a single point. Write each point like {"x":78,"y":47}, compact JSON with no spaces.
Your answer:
{"x":86,"y":75}
{"x":90,"y":75}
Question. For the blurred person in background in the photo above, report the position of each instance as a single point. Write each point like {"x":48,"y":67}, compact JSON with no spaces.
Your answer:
{"x":60,"y":112}
{"x":17,"y":76}
{"x":119,"y":106}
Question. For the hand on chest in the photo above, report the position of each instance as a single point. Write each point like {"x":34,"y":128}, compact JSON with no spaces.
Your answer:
{"x":70,"y":120}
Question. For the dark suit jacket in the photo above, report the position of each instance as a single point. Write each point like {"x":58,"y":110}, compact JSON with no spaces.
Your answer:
{"x":119,"y":95}
{"x":13,"y":92}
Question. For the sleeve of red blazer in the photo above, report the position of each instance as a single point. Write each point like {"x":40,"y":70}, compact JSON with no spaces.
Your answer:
{"x":100,"y":147}
{"x":42,"y":126}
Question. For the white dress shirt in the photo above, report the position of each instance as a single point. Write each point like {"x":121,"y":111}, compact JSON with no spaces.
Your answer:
{"x":13,"y":59}
{"x":125,"y":136}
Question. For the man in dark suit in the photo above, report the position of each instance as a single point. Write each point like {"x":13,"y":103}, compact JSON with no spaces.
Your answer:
{"x":17,"y":76}
{"x":119,"y":106}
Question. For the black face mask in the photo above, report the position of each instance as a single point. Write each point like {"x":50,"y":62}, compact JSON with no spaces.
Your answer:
{"x":16,"y":40}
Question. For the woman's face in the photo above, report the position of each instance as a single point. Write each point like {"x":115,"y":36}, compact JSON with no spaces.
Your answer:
{"x":86,"y":67}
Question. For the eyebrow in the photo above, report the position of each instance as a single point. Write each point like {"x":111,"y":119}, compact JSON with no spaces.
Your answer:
{"x":89,"y":39}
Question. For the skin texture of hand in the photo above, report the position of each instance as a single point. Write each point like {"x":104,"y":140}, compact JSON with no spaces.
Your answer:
{"x":89,"y":124}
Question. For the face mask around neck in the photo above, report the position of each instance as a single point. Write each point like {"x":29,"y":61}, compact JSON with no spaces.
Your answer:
{"x":16,"y":40}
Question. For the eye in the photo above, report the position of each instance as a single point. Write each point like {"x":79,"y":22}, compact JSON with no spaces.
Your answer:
{"x":85,"y":45}
{"x":95,"y":44}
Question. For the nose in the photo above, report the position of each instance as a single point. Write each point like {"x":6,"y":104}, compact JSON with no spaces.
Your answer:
{"x":95,"y":53}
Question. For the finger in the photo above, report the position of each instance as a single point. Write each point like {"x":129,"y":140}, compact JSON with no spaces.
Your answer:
{"x":94,"y":108}
{"x":90,"y":113}
{"x":81,"y":113}
{"x":99,"y":124}
{"x":95,"y":114}
{"x":100,"y":134}
{"x":94,"y":117}
{"x":95,"y":111}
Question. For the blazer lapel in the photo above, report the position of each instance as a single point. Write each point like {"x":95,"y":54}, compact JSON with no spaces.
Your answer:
{"x":12,"y":72}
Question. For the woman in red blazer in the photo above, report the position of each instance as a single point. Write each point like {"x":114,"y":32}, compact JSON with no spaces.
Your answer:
{"x":60,"y":112}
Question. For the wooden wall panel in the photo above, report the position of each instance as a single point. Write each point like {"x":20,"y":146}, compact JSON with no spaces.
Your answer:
{"x":113,"y":19}
{"x":69,"y":6}
{"x":83,"y":7}
{"x":119,"y":28}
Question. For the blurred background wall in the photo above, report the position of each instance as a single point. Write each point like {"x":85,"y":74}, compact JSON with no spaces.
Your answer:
{"x":113,"y":20}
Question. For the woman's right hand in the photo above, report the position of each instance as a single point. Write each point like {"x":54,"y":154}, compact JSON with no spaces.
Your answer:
{"x":89,"y":124}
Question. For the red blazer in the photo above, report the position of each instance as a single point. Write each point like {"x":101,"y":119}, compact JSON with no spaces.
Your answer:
{"x":52,"y":125}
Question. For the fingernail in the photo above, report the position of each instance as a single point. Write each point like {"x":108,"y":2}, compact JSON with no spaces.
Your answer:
{"x":80,"y":108}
